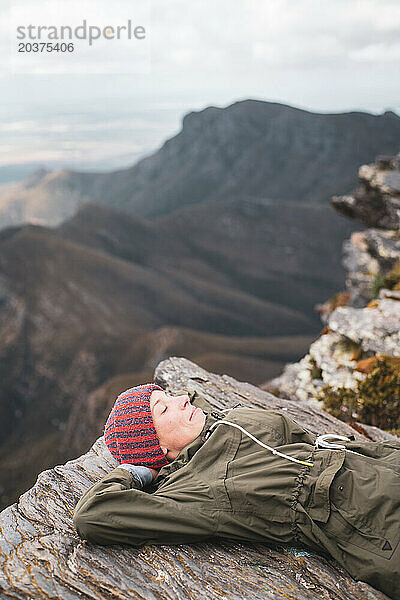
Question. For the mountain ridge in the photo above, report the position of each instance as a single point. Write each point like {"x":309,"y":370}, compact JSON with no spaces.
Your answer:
{"x":307,"y":156}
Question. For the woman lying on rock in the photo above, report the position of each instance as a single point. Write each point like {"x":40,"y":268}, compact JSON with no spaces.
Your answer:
{"x":189,"y":472}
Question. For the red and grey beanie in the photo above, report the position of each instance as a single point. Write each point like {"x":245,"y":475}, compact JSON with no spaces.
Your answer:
{"x":129,"y":431}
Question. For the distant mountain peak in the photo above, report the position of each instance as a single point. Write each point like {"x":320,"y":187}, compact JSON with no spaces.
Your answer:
{"x":391,"y":113}
{"x":34,"y":178}
{"x":250,"y":148}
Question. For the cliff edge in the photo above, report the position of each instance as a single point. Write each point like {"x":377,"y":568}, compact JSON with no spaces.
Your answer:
{"x":42,"y":556}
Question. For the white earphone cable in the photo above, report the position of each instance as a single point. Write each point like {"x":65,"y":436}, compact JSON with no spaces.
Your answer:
{"x":273,"y":450}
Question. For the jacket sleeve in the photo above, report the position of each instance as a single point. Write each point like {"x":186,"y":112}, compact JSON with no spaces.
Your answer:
{"x":115,"y":510}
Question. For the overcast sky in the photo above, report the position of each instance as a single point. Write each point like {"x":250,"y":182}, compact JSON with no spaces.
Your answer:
{"x":314,"y":54}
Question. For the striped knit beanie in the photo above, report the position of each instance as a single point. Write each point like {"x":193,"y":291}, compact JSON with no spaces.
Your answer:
{"x":129,"y":431}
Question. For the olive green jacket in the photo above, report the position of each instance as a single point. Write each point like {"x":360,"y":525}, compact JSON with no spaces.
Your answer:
{"x":225,"y":485}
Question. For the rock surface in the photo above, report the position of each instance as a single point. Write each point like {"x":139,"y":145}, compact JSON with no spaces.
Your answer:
{"x":376,"y":203}
{"x":41,"y":555}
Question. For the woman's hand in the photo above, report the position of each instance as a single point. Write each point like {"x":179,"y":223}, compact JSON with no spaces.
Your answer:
{"x":153,"y":472}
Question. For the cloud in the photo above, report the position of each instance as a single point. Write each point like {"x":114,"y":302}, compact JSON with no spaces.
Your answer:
{"x":379,"y":52}
{"x":200,"y":36}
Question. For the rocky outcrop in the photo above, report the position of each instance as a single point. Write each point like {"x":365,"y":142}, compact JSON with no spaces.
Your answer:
{"x":376,"y":203}
{"x":362,"y":324}
{"x":41,"y":555}
{"x":370,"y":257}
{"x":333,"y":359}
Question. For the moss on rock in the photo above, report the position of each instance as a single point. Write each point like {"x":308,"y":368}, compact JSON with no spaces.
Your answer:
{"x":375,"y":400}
{"x":388,"y":281}
{"x":315,"y":370}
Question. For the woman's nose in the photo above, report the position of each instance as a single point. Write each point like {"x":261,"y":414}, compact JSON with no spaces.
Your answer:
{"x":183,"y":400}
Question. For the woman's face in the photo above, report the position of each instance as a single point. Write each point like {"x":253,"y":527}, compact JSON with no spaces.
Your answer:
{"x":176,"y":421}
